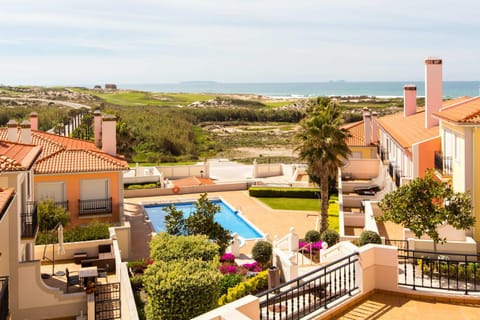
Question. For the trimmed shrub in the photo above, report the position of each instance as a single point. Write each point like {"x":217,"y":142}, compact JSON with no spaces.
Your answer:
{"x":166,"y":247}
{"x":268,"y":192}
{"x":229,"y":281}
{"x":331,"y":237}
{"x":312,"y":236}
{"x":181,"y":289}
{"x":262,"y":252}
{"x":368,"y":236}
{"x":227,"y":257}
{"x":253,"y":285}
{"x":93,"y":231}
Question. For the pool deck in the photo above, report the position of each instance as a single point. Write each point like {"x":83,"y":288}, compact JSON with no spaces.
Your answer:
{"x":266,"y":220}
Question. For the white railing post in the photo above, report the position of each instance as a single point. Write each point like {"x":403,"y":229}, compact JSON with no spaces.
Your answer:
{"x":292,"y":240}
{"x":235,"y":246}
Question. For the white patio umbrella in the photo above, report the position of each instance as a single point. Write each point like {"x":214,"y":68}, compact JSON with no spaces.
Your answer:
{"x":61,"y":249}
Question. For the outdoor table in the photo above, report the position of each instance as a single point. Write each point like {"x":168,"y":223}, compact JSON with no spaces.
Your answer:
{"x":87,"y":273}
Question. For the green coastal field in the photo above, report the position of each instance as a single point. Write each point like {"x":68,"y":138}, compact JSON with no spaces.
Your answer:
{"x":158,"y":128}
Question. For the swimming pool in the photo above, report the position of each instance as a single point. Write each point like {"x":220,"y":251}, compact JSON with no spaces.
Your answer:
{"x":227,"y":217}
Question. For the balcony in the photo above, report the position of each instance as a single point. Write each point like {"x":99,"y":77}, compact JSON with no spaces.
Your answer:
{"x":29,"y":220}
{"x":94,"y":206}
{"x":443,"y":163}
{"x":4,"y":298}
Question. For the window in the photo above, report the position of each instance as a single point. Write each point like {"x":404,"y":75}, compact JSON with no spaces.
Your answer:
{"x":94,"y":189}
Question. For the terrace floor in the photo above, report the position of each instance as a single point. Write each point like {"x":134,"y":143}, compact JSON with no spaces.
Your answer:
{"x":389,"y":306}
{"x":59,"y":280}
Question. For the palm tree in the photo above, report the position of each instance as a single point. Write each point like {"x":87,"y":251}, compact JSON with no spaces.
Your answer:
{"x":323,"y":145}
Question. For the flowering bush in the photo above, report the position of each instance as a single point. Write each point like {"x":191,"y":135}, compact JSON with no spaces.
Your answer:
{"x":254,"y":266}
{"x":228,"y":257}
{"x":228,"y":269}
{"x":307,"y":247}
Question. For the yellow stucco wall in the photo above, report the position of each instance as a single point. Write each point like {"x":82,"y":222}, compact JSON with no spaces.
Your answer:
{"x":72,"y":193}
{"x":476,"y":183}
{"x":365,"y":152}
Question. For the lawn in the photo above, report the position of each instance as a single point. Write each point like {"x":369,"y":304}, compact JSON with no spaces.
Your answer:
{"x":140,"y":98}
{"x":306,"y":205}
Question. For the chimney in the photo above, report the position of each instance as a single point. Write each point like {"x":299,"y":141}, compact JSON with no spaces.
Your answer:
{"x":25,"y":132}
{"x":374,"y":127}
{"x":367,"y":126}
{"x":12,"y":130}
{"x":109,"y":134}
{"x":97,"y":127}
{"x":433,"y":90}
{"x":409,"y":100}
{"x":34,"y":121}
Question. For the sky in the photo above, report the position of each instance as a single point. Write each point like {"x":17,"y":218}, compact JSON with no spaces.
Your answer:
{"x":72,"y":42}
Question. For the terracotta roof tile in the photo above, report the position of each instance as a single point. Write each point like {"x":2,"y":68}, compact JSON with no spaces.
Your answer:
{"x":5,"y":196}
{"x":465,"y":111}
{"x":17,"y":156}
{"x":407,"y":130}
{"x":64,"y":155}
{"x":71,"y":161}
{"x":192,"y":181}
{"x":357,"y":134}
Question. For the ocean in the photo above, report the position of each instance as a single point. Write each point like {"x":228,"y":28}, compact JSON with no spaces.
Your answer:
{"x":451,"y":89}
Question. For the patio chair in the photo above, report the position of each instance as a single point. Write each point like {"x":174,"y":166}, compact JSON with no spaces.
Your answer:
{"x":72,"y":280}
{"x":103,"y":272}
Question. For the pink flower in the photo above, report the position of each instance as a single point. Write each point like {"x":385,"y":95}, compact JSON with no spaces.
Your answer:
{"x":227,"y":257}
{"x":228,"y":269}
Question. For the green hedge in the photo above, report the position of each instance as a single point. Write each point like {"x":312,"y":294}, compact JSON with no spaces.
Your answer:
{"x":181,"y":289}
{"x":93,"y":231}
{"x":269,"y":192}
{"x":253,"y":285}
{"x":166,"y":247}
{"x":141,"y":186}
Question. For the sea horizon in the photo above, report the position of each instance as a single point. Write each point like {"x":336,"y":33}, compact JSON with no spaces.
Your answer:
{"x":451,"y":89}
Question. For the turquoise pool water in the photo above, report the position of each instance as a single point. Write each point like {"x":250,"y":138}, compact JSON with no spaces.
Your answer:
{"x":227,"y":217}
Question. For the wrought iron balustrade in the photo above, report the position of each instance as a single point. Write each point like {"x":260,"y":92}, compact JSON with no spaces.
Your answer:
{"x":95,"y":206}
{"x":318,"y":289}
{"x":443,"y":163}
{"x":29,"y":220}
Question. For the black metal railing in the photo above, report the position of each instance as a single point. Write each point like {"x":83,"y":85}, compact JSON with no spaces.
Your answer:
{"x":439,"y":270}
{"x":443,"y":163}
{"x":107,"y":301}
{"x":390,"y":170}
{"x":4,"y":309}
{"x":94,"y":206}
{"x":29,"y":220}
{"x":397,"y":178}
{"x":400,"y":244}
{"x":63,"y":204}
{"x":313,"y":291}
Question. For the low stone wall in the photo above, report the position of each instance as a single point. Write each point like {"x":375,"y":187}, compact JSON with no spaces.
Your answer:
{"x":186,"y":190}
{"x":90,"y":247}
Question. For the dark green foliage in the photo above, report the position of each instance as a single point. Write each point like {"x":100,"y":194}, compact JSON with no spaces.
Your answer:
{"x":93,"y":231}
{"x":201,"y":221}
{"x":426,"y":203}
{"x":369,"y":236}
{"x":229,"y":281}
{"x":181,"y":289}
{"x":141,"y":186}
{"x":174,"y":221}
{"x":312,"y":236}
{"x":50,"y":215}
{"x":322,"y":143}
{"x":331,"y":237}
{"x":269,"y":192}
{"x":167,"y":247}
{"x":136,"y":282}
{"x":262,"y":252}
